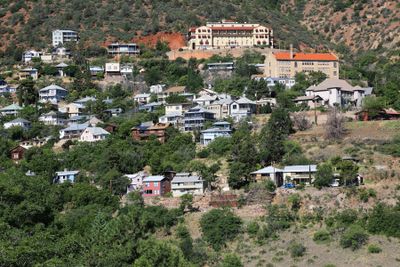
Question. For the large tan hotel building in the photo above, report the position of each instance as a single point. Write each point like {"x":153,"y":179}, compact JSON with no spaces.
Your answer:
{"x":287,"y":64}
{"x":227,"y":34}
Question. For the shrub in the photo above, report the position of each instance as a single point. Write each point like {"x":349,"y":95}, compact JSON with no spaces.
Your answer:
{"x":279,"y":218}
{"x":297,"y":250}
{"x":219,"y":226}
{"x":231,"y":260}
{"x":295,"y":201}
{"x":253,"y":228}
{"x":354,"y":237}
{"x":321,"y":236}
{"x":384,"y":220}
{"x":365,"y":194}
{"x":204,"y":153}
{"x":270,"y":186}
{"x":374,"y":249}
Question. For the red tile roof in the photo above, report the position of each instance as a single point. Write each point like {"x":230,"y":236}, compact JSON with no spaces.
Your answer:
{"x":306,"y":56}
{"x":232,"y":28}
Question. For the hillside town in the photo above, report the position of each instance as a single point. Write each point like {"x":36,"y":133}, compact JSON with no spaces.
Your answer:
{"x":236,"y":121}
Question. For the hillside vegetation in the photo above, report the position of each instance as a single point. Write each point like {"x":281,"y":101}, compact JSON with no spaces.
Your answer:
{"x":29,"y":23}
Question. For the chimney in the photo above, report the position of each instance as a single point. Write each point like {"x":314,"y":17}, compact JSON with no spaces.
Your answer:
{"x":291,"y":51}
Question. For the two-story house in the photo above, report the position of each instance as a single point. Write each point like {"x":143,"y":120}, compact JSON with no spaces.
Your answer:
{"x":73,"y":131}
{"x":242,"y":108}
{"x":142,"y":99}
{"x":136,"y":181}
{"x":338,"y":92}
{"x":186,"y":183}
{"x":195,"y":118}
{"x":52,"y":93}
{"x":147,"y":130}
{"x":53,"y":118}
{"x":11,"y":110}
{"x":19,"y":122}
{"x":219,"y":129}
{"x":93,"y":134}
{"x":157,"y":185}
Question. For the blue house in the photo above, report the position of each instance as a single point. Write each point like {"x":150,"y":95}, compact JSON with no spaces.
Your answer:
{"x":219,"y":129}
{"x":66,"y":176}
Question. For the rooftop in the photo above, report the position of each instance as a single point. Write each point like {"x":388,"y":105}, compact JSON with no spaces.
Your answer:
{"x":52,"y":87}
{"x":17,"y":120}
{"x":154,"y":178}
{"x":97,"y":131}
{"x":186,"y":179}
{"x":334,"y":83}
{"x":306,"y":56}
{"x":11,"y":107}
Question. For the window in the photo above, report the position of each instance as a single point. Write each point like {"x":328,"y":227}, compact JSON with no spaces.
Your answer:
{"x":147,"y":184}
{"x":234,"y":107}
{"x":335,"y":73}
{"x":155,"y":183}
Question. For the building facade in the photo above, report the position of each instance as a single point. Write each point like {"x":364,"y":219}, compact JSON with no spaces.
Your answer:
{"x":63,"y":36}
{"x":66,"y":176}
{"x":287,"y":64}
{"x":195,"y":118}
{"x":145,"y":131}
{"x":52,"y":93}
{"x":227,"y":34}
{"x":219,"y":129}
{"x":185,"y":183}
{"x":123,"y":49}
{"x":157,"y":185}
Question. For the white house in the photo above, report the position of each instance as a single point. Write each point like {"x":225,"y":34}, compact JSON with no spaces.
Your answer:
{"x":60,"y":67}
{"x":205,"y":100}
{"x":178,"y":108}
{"x":19,"y":122}
{"x":52,"y":93}
{"x":28,"y":72}
{"x":113,"y":68}
{"x":157,"y":88}
{"x":219,"y":129}
{"x":62,"y":36}
{"x":11,"y":110}
{"x":272,"y":81}
{"x":65,"y":176}
{"x":185,"y":183}
{"x":93,"y":134}
{"x":242,"y":108}
{"x":73,"y":131}
{"x":27,"y":56}
{"x":142,"y":98}
{"x":337,"y":92}
{"x":136,"y":181}
{"x":52,"y":118}
{"x":295,"y":174}
{"x":175,"y":118}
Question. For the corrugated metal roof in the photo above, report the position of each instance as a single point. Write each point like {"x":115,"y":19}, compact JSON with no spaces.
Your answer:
{"x":154,"y":178}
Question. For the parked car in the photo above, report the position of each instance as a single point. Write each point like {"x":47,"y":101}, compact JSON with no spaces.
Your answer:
{"x":335,"y":183}
{"x":289,"y":185}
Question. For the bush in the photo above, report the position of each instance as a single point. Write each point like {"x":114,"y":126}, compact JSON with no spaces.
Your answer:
{"x":204,"y":153}
{"x":365,"y":194}
{"x":384,"y":220}
{"x":219,"y":226}
{"x":321,"y":236}
{"x":270,"y":186}
{"x":324,"y":176}
{"x":374,"y":249}
{"x":295,"y":201}
{"x":354,"y":237}
{"x":297,"y":250}
{"x":253,"y":228}
{"x":231,"y":260}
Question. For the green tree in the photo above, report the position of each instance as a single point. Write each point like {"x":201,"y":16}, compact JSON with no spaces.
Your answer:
{"x":243,"y":156}
{"x":323,"y":176}
{"x":273,"y":136}
{"x":26,"y":92}
{"x":373,"y":105}
{"x":219,"y":226}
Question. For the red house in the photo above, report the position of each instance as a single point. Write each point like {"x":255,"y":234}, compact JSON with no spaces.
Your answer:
{"x":144,"y":131}
{"x":157,"y":185}
{"x":17,"y":153}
